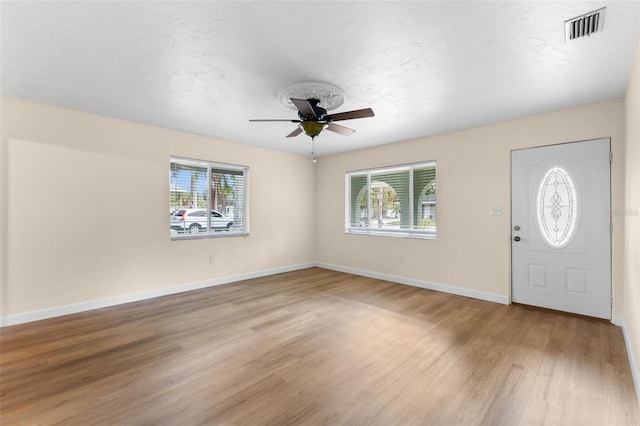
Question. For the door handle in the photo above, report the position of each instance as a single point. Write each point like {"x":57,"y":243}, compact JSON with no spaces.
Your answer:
{"x":516,"y":238}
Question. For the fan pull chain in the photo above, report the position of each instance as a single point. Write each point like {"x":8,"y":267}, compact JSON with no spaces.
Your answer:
{"x":313,"y":149}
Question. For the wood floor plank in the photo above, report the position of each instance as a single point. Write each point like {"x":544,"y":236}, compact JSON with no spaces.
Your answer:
{"x":316,"y":347}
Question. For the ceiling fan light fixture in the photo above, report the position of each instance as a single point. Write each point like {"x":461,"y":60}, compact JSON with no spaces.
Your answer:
{"x":312,"y":128}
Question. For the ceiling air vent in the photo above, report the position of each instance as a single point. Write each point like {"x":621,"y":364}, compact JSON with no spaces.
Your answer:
{"x":584,"y":25}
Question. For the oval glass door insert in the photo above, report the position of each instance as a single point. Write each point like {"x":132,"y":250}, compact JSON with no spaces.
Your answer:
{"x":557,"y":207}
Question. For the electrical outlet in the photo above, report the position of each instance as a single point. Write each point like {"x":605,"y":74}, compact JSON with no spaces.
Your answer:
{"x":212,"y":259}
{"x":401,"y":258}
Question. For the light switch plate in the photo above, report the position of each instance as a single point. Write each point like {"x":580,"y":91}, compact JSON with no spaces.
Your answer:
{"x":495,"y":211}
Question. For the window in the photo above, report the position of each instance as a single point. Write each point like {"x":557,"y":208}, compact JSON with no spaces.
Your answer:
{"x":207,"y":199}
{"x":393,"y":201}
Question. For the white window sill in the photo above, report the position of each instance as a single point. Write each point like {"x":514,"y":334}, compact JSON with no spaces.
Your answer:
{"x":221,"y":234}
{"x":422,"y":235}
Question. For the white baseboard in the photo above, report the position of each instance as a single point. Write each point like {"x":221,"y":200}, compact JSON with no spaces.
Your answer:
{"x":135,"y":297}
{"x":475,"y":294}
{"x":633,"y":362}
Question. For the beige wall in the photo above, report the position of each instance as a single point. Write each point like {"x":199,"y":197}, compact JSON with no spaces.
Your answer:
{"x":82,"y":216}
{"x":631,"y":279}
{"x":472,"y":249}
{"x":84,"y":209}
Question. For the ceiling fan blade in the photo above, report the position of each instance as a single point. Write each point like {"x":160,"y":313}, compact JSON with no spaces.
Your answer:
{"x":350,"y":115}
{"x":304,"y":107}
{"x":276,"y":119}
{"x":295,"y":133}
{"x":345,"y":131}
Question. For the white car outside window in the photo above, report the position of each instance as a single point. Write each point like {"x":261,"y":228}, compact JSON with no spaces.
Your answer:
{"x":195,"y":220}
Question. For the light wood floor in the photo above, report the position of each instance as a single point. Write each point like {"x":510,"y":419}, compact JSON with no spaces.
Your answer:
{"x":316,"y":347}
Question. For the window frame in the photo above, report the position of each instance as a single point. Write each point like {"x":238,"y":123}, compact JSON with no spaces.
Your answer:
{"x":210,"y":166}
{"x":410,"y":232}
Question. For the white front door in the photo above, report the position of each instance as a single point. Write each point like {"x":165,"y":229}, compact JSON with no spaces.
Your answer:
{"x":561,"y":227}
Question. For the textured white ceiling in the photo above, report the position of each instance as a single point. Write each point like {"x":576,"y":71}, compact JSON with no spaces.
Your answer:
{"x":207,"y":67}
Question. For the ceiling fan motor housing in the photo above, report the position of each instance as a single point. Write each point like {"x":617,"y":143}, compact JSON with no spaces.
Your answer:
{"x":317,"y":109}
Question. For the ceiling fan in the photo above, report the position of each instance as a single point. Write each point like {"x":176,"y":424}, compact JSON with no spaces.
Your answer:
{"x":313,"y":119}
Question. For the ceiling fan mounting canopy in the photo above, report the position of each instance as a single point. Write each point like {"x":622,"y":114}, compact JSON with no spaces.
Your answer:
{"x":313,"y":119}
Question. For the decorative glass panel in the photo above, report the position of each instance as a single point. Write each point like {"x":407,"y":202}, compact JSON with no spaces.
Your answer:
{"x":557,"y":207}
